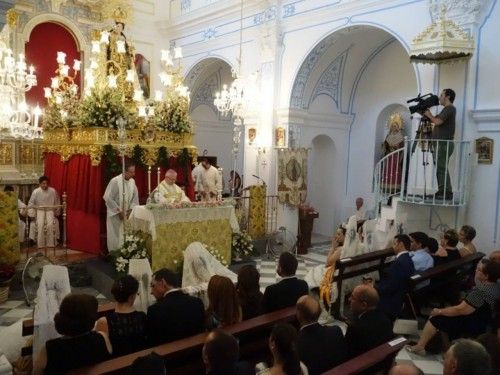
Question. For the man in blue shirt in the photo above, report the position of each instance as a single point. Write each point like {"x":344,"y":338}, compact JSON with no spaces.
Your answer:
{"x":421,"y":259}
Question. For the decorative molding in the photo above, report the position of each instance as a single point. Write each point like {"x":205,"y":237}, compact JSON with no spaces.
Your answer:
{"x":267,"y":15}
{"x":330,"y":81}
{"x":288,"y":10}
{"x":204,"y":94}
{"x":487,"y":120}
{"x":460,"y":11}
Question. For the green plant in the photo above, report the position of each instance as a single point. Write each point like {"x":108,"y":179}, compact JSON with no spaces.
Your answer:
{"x":173,"y":116}
{"x":134,"y":247}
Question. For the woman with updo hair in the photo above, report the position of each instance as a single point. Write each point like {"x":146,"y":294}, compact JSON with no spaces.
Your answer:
{"x":283,"y":346}
{"x":79,"y":345}
{"x":125,"y":326}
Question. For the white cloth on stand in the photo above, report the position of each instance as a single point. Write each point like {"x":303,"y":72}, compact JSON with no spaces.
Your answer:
{"x":54,"y":286}
{"x":199,"y":266}
{"x":117,"y":190}
{"x":141,"y":270}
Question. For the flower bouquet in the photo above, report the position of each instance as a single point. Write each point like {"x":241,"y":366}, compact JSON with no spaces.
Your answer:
{"x":134,"y":247}
{"x":242,"y":245}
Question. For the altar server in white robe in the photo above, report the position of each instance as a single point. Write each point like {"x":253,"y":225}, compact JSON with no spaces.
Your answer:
{"x":211,"y":180}
{"x":41,"y":209}
{"x":168,"y":192}
{"x":119,"y":187}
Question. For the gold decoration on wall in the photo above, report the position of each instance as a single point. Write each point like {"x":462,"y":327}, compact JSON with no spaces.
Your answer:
{"x":6,"y":154}
{"x":91,"y":141}
{"x":117,"y":10}
{"x":292,"y":176}
{"x":12,"y":17}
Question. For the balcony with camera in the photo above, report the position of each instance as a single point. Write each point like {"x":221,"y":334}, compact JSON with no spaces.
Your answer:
{"x":425,"y":171}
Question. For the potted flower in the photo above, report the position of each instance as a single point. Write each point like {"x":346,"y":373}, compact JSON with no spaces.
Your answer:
{"x":242,"y":245}
{"x":134,"y":247}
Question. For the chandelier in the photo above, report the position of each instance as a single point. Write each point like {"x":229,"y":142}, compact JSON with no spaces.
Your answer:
{"x":17,"y":119}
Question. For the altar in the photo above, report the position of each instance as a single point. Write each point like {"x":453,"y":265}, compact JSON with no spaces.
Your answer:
{"x":173,"y":229}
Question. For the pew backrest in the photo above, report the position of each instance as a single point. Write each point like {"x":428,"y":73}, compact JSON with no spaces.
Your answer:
{"x":189,"y":349}
{"x":369,"y":359}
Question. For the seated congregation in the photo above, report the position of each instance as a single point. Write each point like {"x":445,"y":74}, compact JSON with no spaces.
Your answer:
{"x":302,"y":346}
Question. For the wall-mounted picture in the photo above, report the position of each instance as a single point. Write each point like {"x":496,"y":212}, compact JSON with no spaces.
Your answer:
{"x":484,"y":149}
{"x":142,"y":67}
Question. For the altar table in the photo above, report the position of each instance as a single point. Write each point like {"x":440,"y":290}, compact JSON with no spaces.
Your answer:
{"x":173,"y":229}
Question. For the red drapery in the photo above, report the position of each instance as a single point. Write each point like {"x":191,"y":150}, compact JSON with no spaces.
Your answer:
{"x":84,"y":185}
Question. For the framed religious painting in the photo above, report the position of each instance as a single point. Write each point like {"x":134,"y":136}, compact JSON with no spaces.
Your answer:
{"x":484,"y":149}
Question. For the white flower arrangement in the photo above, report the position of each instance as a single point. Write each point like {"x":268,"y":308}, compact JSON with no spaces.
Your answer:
{"x":189,"y":204}
{"x":134,"y":247}
{"x":242,"y":244}
{"x":216,"y":254}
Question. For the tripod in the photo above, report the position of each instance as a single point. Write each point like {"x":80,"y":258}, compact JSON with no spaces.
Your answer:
{"x":423,"y":137}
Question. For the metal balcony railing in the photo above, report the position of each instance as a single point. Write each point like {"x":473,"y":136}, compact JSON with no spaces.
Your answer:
{"x":425,"y":171}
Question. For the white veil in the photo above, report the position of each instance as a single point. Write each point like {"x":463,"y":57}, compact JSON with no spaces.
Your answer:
{"x":199,"y":266}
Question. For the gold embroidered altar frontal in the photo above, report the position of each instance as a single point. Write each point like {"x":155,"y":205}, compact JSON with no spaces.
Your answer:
{"x":172,"y":230}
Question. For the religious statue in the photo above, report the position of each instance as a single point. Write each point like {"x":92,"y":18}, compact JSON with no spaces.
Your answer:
{"x":394,"y":163}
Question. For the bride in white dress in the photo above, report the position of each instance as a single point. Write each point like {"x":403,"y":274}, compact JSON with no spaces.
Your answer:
{"x":199,"y":266}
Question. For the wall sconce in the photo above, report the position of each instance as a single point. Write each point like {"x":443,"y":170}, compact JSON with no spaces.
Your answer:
{"x":252,"y":134}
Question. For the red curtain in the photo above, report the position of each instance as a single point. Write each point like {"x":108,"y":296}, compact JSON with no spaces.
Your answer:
{"x":82,"y":183}
{"x":84,"y":187}
{"x":46,"y":39}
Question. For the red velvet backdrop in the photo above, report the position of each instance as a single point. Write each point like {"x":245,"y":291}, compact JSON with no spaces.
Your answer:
{"x":84,"y":185}
{"x":46,"y":39}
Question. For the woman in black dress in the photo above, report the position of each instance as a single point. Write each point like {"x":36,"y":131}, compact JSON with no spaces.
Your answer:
{"x":249,"y":294}
{"x":125,"y":326}
{"x":472,"y":316}
{"x":79,"y":345}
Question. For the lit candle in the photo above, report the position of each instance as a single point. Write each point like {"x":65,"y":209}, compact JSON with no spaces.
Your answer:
{"x":77,"y":65}
{"x":65,"y":70}
{"x":138,"y":95}
{"x":120,"y":46}
{"x":96,"y":48}
{"x":32,"y":69}
{"x":105,"y":36}
{"x":58,"y":99}
{"x":149,"y":180}
{"x":165,"y":55}
{"x":130,"y":75}
{"x":93,"y":64}
{"x":158,"y":176}
{"x":54,"y":82}
{"x":61,"y":58}
{"x":47,"y":92}
{"x":142,"y":111}
{"x":178,"y":53}
{"x":112,"y":81}
{"x":168,"y":79}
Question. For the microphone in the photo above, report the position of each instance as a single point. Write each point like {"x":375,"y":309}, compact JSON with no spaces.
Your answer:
{"x":258,"y":178}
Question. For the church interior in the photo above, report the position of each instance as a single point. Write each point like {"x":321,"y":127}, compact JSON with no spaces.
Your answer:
{"x":187,"y":188}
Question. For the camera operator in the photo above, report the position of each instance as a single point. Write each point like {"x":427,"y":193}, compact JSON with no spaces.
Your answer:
{"x":444,"y":130}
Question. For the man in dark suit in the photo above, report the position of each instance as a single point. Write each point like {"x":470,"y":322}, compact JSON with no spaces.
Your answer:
{"x":286,"y":292}
{"x":320,"y":348}
{"x":393,"y":287}
{"x":369,"y":327}
{"x":221,"y":353}
{"x":175,"y":315}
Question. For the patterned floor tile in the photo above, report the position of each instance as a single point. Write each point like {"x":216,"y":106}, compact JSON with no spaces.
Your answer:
{"x":18,"y":313}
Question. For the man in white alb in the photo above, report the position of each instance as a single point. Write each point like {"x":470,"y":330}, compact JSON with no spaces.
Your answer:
{"x":41,"y":208}
{"x":168,"y":192}
{"x":211,"y":181}
{"x":120,"y":188}
{"x":196,"y":174}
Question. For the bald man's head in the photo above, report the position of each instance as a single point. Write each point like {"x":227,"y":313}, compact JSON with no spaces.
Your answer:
{"x":406,"y":369}
{"x":495,"y":256}
{"x":363,"y":298}
{"x":308,"y":310}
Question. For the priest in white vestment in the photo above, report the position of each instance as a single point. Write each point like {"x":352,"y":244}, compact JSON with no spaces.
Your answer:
{"x":168,"y":192}
{"x":41,"y":208}
{"x":120,"y":188}
{"x":211,"y":181}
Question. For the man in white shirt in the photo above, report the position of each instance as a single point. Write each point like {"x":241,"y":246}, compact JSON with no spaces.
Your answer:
{"x":41,"y":208}
{"x":168,"y":192}
{"x":121,"y":196}
{"x":211,"y":181}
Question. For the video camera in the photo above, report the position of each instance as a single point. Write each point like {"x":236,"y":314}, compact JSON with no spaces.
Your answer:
{"x":424,"y":102}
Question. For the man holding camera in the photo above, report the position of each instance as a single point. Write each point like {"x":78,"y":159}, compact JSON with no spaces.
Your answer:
{"x":443,"y":132}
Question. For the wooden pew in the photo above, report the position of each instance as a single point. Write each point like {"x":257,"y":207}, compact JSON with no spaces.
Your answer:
{"x":342,"y":265}
{"x":28,"y":326}
{"x":463,"y":268}
{"x":373,"y":357}
{"x":184,"y":356}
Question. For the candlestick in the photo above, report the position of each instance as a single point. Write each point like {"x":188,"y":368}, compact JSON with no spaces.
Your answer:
{"x":158,"y":177}
{"x":149,"y":180}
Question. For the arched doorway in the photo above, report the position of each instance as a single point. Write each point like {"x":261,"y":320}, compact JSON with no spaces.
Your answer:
{"x":321,"y":177}
{"x":213,"y":132}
